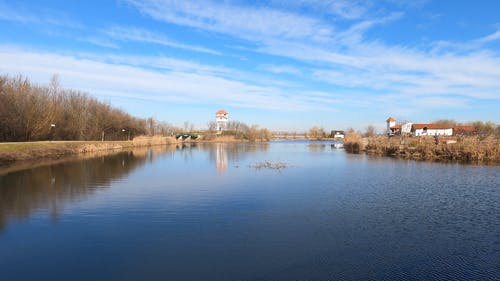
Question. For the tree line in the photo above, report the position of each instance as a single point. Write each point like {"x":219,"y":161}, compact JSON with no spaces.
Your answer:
{"x":239,"y":130}
{"x":32,"y":112}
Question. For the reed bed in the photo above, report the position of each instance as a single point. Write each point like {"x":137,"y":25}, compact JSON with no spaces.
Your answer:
{"x":466,"y":149}
{"x":22,"y":151}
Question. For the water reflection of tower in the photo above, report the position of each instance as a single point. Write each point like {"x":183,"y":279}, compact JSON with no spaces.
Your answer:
{"x":221,"y":157}
{"x":221,"y":120}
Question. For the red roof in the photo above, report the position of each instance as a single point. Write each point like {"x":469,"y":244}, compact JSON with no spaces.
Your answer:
{"x":430,"y":126}
{"x":464,"y":129}
{"x":222,"y":111}
{"x":390,"y":119}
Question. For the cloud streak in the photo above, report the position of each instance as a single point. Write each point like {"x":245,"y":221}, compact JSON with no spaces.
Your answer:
{"x":45,"y":17}
{"x":241,"y":21}
{"x":348,"y":59}
{"x":275,"y":55}
{"x":141,"y":35}
{"x":120,"y":80}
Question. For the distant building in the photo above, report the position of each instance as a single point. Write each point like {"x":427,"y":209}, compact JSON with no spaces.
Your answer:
{"x":406,"y":128}
{"x":396,"y":129}
{"x":337,"y":134}
{"x":417,"y":129}
{"x":431,"y":130}
{"x":391,"y":123}
{"x":221,"y":120}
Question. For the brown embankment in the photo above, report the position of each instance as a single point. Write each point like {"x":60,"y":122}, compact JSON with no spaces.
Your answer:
{"x":465,"y":149}
{"x":50,"y":150}
{"x":22,"y":151}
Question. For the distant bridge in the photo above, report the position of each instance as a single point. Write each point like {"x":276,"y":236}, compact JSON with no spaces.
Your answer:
{"x":185,"y":137}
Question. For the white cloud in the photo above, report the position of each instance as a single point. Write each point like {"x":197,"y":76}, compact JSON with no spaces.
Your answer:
{"x":121,"y":80}
{"x":40,"y":16}
{"x":282,"y":69}
{"x":241,"y":21}
{"x":99,"y":42}
{"x":344,"y":9}
{"x":141,"y":35}
{"x":438,"y":102}
{"x":346,"y":58}
{"x":489,"y":38}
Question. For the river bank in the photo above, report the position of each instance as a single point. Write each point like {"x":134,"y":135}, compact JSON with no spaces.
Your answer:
{"x":464,"y":149}
{"x":28,"y":151}
{"x":14,"y":152}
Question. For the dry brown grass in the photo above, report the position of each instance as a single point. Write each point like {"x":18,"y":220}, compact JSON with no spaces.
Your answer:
{"x":221,"y":139}
{"x":353,"y":143}
{"x":22,"y":151}
{"x":469,"y":149}
{"x":154,"y":140}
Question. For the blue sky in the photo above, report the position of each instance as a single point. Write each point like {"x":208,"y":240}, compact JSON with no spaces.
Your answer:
{"x":282,"y":64}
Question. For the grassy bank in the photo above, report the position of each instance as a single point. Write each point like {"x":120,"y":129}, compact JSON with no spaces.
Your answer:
{"x":49,"y":150}
{"x":22,"y":151}
{"x":470,"y":149}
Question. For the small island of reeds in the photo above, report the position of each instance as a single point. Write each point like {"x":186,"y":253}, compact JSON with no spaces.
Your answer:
{"x":483,"y":149}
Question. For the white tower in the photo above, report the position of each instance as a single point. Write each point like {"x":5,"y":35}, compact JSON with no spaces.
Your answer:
{"x":390,"y":123}
{"x":221,"y":119}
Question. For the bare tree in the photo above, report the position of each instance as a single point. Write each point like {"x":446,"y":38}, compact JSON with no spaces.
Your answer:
{"x":27,"y":112}
{"x":316,"y":132}
{"x":370,"y":131}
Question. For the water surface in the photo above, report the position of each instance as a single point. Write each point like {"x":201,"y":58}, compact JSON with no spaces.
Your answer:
{"x":203,"y":212}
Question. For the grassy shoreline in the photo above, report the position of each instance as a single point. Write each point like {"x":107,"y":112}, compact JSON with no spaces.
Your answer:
{"x":469,"y":149}
{"x":15,"y":152}
{"x":28,"y":151}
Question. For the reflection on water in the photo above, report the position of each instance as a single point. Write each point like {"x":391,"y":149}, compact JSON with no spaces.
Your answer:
{"x":199,"y":212}
{"x":317,"y":147}
{"x":50,"y":186}
{"x":224,"y":153}
{"x":221,"y":157}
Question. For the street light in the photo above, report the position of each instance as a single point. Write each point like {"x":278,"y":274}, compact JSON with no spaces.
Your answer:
{"x":52,"y":126}
{"x":128,"y":136}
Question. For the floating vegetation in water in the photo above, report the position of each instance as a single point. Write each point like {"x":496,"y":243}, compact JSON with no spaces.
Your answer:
{"x":270,"y":165}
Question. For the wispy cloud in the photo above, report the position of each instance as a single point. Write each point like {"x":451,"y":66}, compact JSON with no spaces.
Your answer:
{"x":141,"y":35}
{"x":348,"y":59}
{"x":489,"y":38}
{"x":300,"y":55}
{"x":22,"y":15}
{"x":344,"y":9}
{"x":121,"y":80}
{"x":99,"y":42}
{"x":281,"y":69}
{"x":241,"y":21}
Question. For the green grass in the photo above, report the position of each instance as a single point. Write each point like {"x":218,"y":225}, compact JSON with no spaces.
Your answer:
{"x":29,"y":146}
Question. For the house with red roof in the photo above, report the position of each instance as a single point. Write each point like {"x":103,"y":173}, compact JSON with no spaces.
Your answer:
{"x":431,"y":130}
{"x":421,"y":129}
{"x":221,"y":120}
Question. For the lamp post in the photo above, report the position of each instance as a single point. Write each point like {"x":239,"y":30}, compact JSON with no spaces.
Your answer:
{"x":52,"y":126}
{"x":128,"y":131}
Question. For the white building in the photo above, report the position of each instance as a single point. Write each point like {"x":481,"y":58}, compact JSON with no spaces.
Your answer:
{"x":221,"y":120}
{"x":431,"y":130}
{"x":391,"y":124}
{"x":337,"y":134}
{"x":407,"y":128}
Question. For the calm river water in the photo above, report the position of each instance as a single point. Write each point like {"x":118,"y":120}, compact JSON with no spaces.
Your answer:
{"x":205,"y":212}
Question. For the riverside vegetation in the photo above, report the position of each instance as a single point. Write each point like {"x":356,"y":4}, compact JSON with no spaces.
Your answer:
{"x":48,"y":121}
{"x":22,"y":151}
{"x":466,"y":149}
